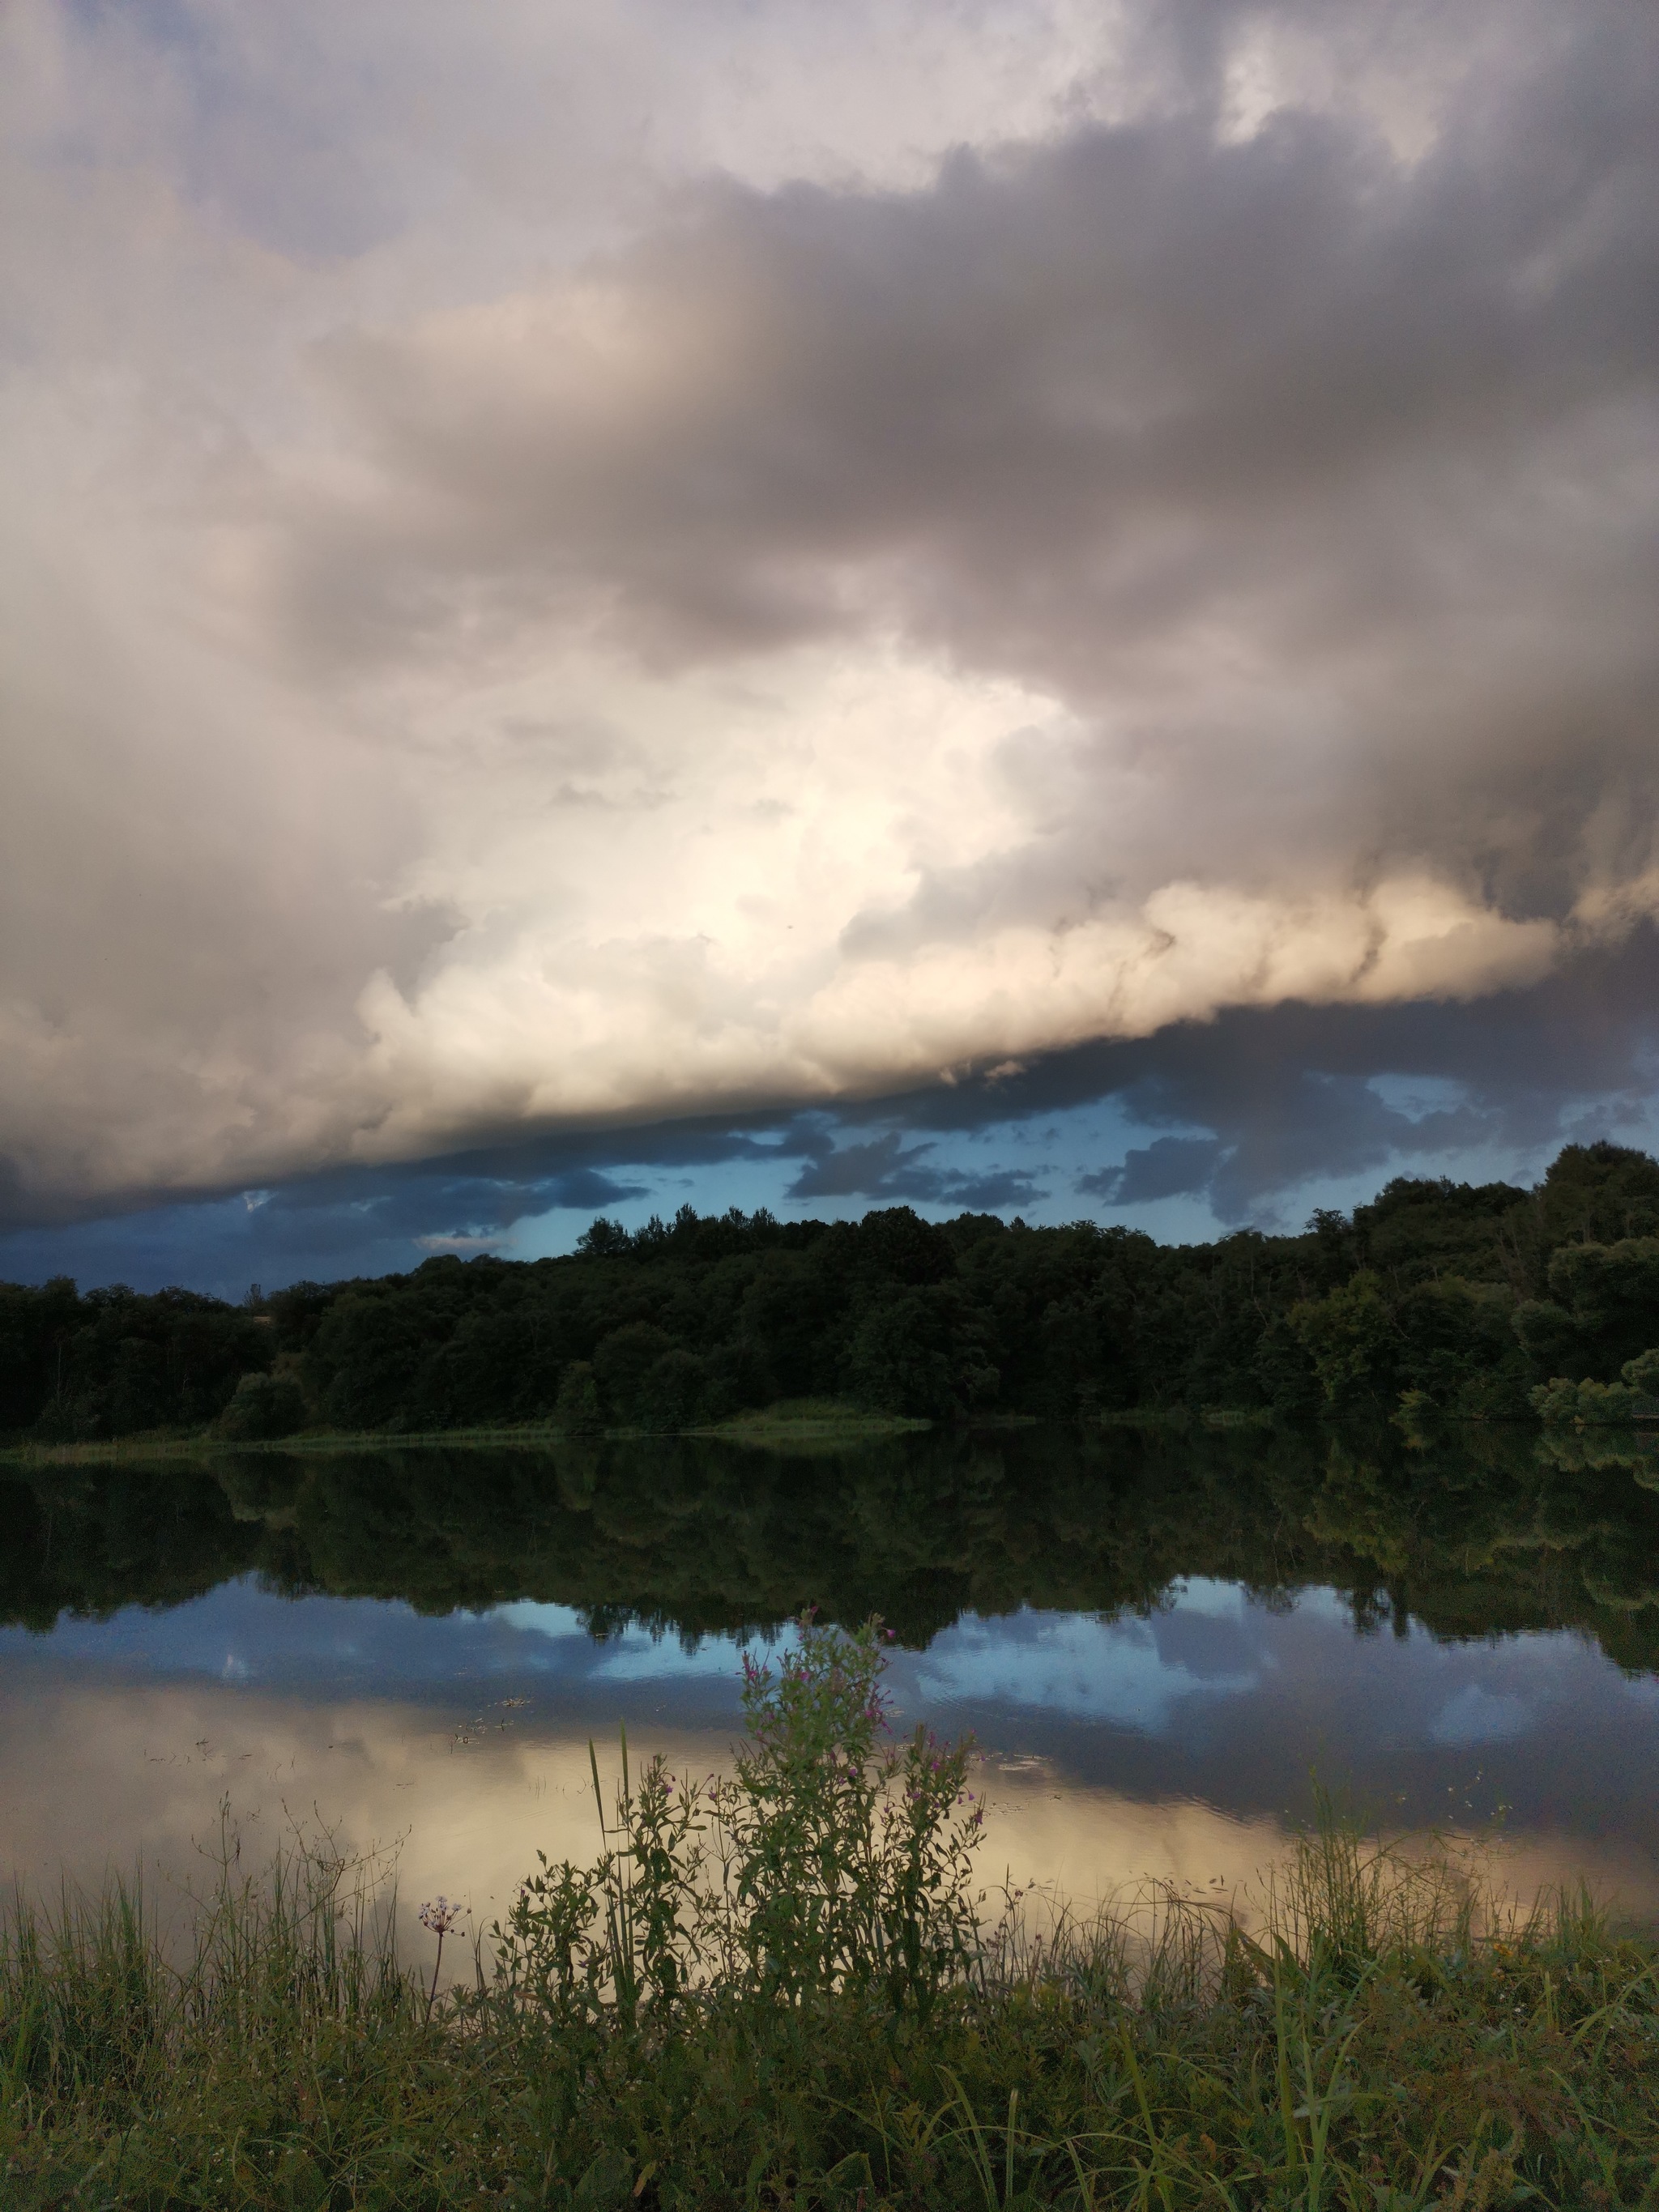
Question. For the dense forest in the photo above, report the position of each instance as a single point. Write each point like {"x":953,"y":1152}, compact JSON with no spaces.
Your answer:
{"x":1486,"y":1530}
{"x":1462,"y":1300}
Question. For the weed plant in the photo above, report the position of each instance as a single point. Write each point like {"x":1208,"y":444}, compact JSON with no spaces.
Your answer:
{"x":786,"y":1989}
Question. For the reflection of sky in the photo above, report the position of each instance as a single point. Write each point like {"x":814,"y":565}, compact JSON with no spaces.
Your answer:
{"x":1209,"y":1668}
{"x":1219,"y":1600}
{"x":456,"y":1725}
{"x":1477,"y":1715}
{"x":244,"y":1634}
{"x":1209,"y":1643}
{"x":1123,"y":1671}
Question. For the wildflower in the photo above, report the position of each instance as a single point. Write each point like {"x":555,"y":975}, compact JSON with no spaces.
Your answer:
{"x":438,"y":1915}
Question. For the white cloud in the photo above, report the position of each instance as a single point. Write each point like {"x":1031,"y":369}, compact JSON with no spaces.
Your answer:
{"x":1089,"y":1669}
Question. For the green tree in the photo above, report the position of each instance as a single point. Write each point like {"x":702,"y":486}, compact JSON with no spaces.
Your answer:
{"x":1354,"y":1339}
{"x":920,"y":1352}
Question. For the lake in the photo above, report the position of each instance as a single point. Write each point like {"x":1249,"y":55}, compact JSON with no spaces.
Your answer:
{"x":1163,"y":1643}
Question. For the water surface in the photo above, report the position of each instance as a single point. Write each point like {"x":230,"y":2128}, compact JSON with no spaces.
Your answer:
{"x":1162,"y":1645}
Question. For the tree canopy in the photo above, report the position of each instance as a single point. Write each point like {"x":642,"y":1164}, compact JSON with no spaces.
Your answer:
{"x":1468,"y":1296}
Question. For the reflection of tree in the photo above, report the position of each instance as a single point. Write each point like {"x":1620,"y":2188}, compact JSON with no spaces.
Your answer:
{"x":1489,"y":1534}
{"x":86,"y":1541}
{"x":1480,"y":1543}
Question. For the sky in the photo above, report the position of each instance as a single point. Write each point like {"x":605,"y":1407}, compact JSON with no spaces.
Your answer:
{"x":610,"y":604}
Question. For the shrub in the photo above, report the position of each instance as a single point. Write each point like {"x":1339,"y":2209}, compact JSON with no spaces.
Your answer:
{"x":673,"y":1391}
{"x":832,"y":1862}
{"x":1635,"y":1396}
{"x":919,"y":1353}
{"x":578,"y":1412}
{"x":263,"y":1407}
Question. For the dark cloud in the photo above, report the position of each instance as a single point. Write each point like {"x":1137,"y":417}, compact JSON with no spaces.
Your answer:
{"x":856,"y":1171}
{"x":351,"y":1221}
{"x":1307,"y":476}
{"x":1310,"y":1123}
{"x":1167,"y":1168}
{"x":483,"y":1189}
{"x":588,"y":1188}
{"x":1253,"y":1105}
{"x":1530,"y":1054}
{"x":886,"y":1171}
{"x":1288,"y":1091}
{"x":1305,"y":1124}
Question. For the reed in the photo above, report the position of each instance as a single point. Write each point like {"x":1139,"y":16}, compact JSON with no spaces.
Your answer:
{"x":789,"y":1989}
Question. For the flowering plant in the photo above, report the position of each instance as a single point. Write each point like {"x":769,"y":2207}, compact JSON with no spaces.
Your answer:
{"x":831,"y":1857}
{"x":438,"y":1915}
{"x":847,"y":1855}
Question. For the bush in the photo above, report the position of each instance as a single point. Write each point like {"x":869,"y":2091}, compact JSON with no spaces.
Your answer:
{"x":262,"y":1408}
{"x":673,"y":1391}
{"x":1352,"y":1337}
{"x":831,"y":1862}
{"x":578,"y":1412}
{"x":1634,"y":1397}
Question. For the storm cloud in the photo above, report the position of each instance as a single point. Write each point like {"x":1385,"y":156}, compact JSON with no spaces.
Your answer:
{"x":1118,"y":554}
{"x":1247,"y":1120}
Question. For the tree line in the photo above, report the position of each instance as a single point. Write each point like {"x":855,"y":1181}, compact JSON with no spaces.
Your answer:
{"x":1461,"y":1299}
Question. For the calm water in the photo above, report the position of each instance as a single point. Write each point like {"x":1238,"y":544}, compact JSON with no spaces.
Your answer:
{"x":1160,"y":1644}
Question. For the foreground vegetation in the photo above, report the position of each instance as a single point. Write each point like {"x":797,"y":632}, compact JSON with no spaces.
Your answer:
{"x":789,"y":1989}
{"x":1464,"y":1300}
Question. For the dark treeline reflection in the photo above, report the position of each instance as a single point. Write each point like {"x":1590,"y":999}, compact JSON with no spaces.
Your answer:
{"x":1500,"y":1530}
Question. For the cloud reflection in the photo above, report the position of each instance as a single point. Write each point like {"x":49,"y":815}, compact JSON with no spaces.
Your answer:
{"x":1477,"y":1715}
{"x":1087,"y":1670}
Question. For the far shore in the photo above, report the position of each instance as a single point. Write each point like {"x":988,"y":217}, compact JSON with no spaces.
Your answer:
{"x":793,"y":1424}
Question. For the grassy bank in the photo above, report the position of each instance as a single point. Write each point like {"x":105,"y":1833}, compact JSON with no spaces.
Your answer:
{"x":792,"y":1990}
{"x":795,"y":1424}
{"x":827,"y":1424}
{"x":1187,"y":1417}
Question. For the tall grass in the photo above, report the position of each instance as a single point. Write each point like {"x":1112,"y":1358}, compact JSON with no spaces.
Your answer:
{"x":786,"y":1990}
